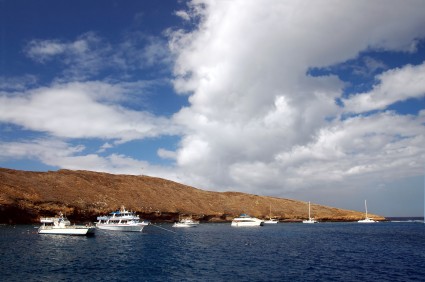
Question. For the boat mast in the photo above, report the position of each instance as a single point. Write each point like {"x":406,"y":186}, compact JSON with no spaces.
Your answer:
{"x":270,"y":212}
{"x":309,"y":210}
{"x":365,"y":206}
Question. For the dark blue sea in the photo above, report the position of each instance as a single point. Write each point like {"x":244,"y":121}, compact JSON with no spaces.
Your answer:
{"x":386,"y":251}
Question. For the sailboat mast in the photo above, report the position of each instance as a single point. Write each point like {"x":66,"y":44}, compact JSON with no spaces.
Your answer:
{"x":309,"y":210}
{"x":270,"y":215}
{"x":365,"y":206}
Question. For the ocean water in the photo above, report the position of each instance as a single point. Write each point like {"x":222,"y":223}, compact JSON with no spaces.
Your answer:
{"x":388,"y":251}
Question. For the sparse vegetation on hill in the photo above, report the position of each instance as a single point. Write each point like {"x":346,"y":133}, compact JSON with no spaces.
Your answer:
{"x":82,"y":195}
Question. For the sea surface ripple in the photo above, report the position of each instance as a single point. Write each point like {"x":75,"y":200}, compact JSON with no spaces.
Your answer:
{"x":385,"y":251}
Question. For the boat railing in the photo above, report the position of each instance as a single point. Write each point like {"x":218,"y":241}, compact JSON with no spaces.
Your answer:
{"x":47,"y":219}
{"x":46,"y":227}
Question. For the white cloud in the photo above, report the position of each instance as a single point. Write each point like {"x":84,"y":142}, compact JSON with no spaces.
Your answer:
{"x":89,"y":54}
{"x":82,"y":110}
{"x":183,"y":14}
{"x":85,"y":56}
{"x":105,"y":147}
{"x":140,"y":51}
{"x":42,"y":50}
{"x":166,"y":154}
{"x":46,"y":150}
{"x":257,"y":122}
{"x":363,"y":145}
{"x":394,"y":85}
{"x":254,"y":108}
{"x":17,"y":83}
{"x":58,"y":153}
{"x":356,"y":152}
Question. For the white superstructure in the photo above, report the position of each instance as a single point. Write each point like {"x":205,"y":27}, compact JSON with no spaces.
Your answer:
{"x":60,"y":225}
{"x":121,"y":220}
{"x":246,"y":220}
{"x":367,"y":219}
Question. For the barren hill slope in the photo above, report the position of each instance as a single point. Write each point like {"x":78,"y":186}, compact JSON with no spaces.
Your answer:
{"x":82,"y":195}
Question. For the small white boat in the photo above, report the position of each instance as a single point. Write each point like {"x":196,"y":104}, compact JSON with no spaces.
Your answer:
{"x":121,"y":220}
{"x":310,"y":219}
{"x":246,"y":220}
{"x":367,"y":219}
{"x":271,"y":220}
{"x":60,"y":225}
{"x":186,"y":222}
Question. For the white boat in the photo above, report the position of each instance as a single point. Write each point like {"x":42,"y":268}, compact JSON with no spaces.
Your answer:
{"x":310,"y":219}
{"x":367,"y":219}
{"x":246,"y":220}
{"x":60,"y":225}
{"x":186,"y":222}
{"x":271,"y":220}
{"x":121,"y":220}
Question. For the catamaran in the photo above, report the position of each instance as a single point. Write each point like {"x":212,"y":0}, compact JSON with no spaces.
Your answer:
{"x":367,"y":219}
{"x":310,"y":219}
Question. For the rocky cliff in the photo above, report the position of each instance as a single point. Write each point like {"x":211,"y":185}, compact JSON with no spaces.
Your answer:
{"x":82,"y":195}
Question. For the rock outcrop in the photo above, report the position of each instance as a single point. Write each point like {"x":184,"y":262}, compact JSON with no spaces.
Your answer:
{"x":82,"y":195}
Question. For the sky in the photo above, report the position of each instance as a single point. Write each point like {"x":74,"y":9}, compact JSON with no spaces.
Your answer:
{"x":320,"y":101}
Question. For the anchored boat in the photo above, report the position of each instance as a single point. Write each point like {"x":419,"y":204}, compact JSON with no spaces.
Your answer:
{"x":271,"y":220}
{"x":246,"y":220}
{"x":310,"y":219}
{"x":186,"y":222}
{"x":121,"y":220}
{"x":367,"y":219}
{"x":60,"y":225}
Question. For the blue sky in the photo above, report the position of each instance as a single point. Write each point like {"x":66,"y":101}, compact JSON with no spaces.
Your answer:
{"x":318,"y":101}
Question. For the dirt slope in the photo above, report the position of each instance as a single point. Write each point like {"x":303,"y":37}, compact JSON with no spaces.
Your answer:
{"x":82,"y":195}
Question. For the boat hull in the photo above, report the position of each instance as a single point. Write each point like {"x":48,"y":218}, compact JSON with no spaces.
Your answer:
{"x":309,"y":221}
{"x":184,"y":225}
{"x":367,"y":220}
{"x":80,"y":231}
{"x":270,"y":222}
{"x":247,"y":224}
{"x":122,"y":227}
{"x":245,"y":220}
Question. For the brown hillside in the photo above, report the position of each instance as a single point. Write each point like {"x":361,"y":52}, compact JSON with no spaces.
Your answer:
{"x":82,"y":195}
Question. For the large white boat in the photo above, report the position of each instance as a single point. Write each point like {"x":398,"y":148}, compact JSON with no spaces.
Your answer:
{"x":121,"y":220}
{"x":60,"y":225}
{"x":367,"y":219}
{"x":310,"y":219}
{"x":246,"y":220}
{"x":186,"y":222}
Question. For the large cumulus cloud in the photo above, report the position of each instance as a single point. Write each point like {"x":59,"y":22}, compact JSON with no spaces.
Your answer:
{"x":257,"y":120}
